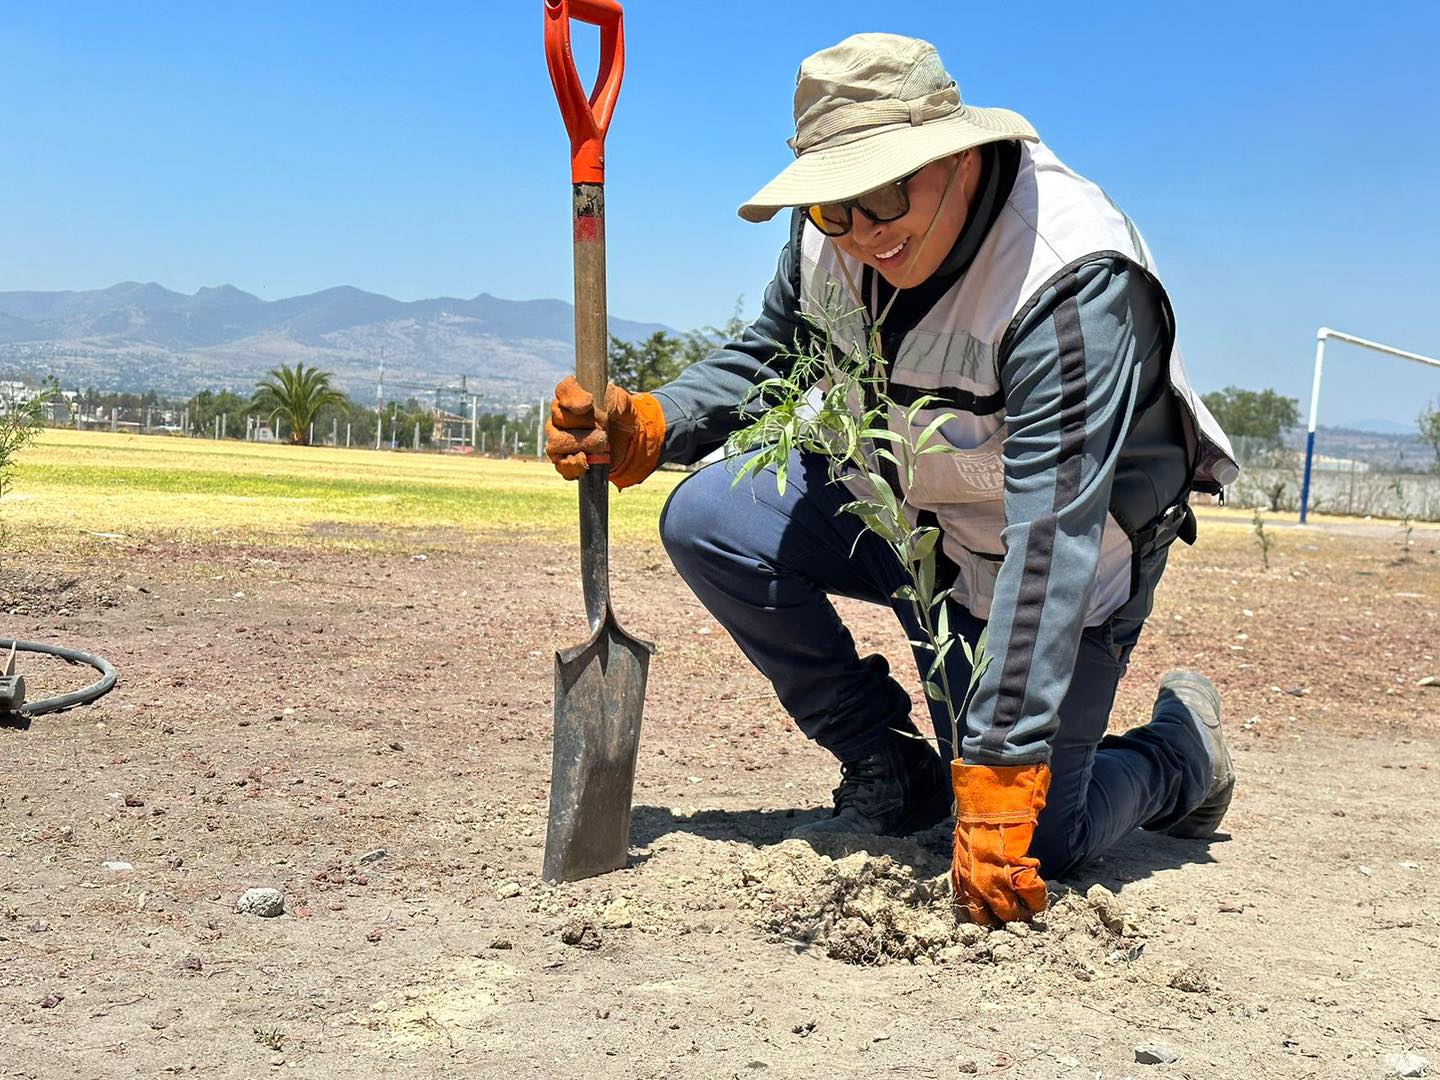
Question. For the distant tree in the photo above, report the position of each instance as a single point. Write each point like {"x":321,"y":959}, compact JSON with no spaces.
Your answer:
{"x":1254,"y":414}
{"x":205,"y":406}
{"x":297,"y":394}
{"x":647,"y":364}
{"x":1429,"y":423}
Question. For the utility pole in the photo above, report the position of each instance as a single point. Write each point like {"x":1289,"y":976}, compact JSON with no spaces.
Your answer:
{"x":540,"y":432}
{"x":474,"y":421}
{"x":417,"y":435}
{"x":224,"y":423}
{"x":380,"y":400}
{"x":347,"y":434}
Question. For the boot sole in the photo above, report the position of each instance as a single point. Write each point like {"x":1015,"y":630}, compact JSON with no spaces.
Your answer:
{"x":1205,"y":819}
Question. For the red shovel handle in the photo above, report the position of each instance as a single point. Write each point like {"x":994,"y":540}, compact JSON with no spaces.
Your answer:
{"x":587,"y":116}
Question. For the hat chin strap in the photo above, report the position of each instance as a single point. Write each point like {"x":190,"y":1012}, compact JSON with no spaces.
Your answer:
{"x":925,"y":239}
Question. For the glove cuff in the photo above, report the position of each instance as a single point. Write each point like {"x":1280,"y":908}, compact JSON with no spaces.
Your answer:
{"x":999,"y":794}
{"x":643,"y":454}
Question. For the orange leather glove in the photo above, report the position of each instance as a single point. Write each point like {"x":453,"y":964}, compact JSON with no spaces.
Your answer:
{"x":628,"y":432}
{"x":993,"y":877}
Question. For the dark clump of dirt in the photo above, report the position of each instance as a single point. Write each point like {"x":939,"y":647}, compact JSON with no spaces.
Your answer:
{"x":863,"y":907}
{"x":42,"y":593}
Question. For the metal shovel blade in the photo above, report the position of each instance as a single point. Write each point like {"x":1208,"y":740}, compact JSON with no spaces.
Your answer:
{"x":599,"y":699}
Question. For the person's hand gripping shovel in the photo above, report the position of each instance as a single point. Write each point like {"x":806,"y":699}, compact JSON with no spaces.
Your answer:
{"x":600,"y":684}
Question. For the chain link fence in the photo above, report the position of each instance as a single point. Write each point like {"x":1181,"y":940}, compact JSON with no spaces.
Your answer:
{"x":1271,"y":479}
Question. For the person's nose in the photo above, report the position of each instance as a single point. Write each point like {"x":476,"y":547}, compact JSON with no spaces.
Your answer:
{"x":862,"y":228}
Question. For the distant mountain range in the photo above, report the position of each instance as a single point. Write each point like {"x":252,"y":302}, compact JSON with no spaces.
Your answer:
{"x":1378,"y":426}
{"x":138,"y":337}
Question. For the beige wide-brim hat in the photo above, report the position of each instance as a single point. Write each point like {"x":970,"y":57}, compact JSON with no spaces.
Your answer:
{"x":870,"y":110}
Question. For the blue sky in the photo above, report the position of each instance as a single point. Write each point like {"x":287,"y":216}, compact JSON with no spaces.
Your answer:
{"x":1282,"y":159}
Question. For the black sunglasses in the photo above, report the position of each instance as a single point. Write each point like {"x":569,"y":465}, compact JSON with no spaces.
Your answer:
{"x":889,"y":202}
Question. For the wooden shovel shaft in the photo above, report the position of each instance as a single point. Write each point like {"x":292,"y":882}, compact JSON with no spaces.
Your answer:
{"x":592,"y":371}
{"x":591,"y":334}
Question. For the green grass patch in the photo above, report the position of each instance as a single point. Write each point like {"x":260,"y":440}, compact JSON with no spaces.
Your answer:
{"x":102,"y":482}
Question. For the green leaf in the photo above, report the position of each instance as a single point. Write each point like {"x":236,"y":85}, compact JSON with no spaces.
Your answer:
{"x":933,"y":691}
{"x":932,"y":427}
{"x":925,"y":545}
{"x":881,"y":434}
{"x":940,"y":653}
{"x":925,"y":577}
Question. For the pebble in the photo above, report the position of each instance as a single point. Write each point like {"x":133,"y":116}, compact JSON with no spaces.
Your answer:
{"x":267,"y":903}
{"x":1107,"y":907}
{"x":1155,"y":1054}
{"x":508,"y":890}
{"x":1428,"y":680}
{"x":117,"y":866}
{"x":373,"y":856}
{"x":617,"y":916}
{"x":1407,"y":1064}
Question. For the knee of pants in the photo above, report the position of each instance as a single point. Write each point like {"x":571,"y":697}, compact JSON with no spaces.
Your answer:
{"x":688,"y":521}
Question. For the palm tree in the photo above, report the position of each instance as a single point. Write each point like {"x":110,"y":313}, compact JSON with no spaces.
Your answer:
{"x":297,"y":394}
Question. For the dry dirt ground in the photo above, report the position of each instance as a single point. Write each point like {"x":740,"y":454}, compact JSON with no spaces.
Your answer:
{"x":366,"y":729}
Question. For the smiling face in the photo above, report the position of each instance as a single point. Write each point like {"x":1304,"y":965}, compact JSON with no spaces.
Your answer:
{"x":895,"y":248}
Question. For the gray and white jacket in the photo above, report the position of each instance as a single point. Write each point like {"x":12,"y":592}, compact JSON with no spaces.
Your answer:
{"x":1048,"y":338}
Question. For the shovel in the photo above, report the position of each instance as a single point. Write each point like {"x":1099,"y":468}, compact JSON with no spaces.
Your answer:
{"x":600,"y":684}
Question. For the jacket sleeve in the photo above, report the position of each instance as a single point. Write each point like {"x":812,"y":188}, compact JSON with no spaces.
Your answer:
{"x":701,"y":403}
{"x":1072,"y":378}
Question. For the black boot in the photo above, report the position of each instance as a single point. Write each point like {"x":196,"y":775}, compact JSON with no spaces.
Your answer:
{"x":898,"y":790}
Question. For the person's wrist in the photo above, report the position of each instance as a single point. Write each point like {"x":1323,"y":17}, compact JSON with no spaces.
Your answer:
{"x":641,"y":453}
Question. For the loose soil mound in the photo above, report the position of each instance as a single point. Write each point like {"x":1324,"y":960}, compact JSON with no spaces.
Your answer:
{"x":866,"y":908}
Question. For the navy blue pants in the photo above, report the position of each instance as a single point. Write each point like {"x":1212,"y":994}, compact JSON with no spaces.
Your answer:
{"x":765,"y":565}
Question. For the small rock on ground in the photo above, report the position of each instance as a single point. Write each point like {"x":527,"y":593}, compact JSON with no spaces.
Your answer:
{"x":1155,"y":1054}
{"x":1407,"y":1064}
{"x":267,"y":903}
{"x":617,"y":916}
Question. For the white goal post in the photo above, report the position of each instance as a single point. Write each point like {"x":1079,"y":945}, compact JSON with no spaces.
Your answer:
{"x":1320,"y":338}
